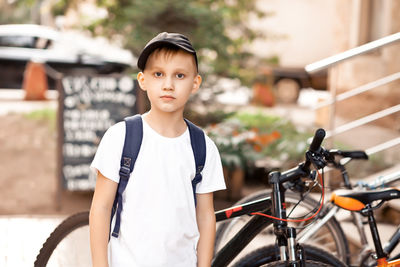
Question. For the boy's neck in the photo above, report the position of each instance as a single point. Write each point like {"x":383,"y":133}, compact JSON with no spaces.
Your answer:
{"x":166,"y":124}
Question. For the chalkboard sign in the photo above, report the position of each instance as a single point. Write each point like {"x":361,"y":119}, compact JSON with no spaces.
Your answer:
{"x":89,"y":106}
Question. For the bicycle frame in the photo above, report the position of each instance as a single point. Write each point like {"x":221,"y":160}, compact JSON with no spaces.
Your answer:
{"x":393,"y":242}
{"x":247,"y":233}
{"x":256,"y":225}
{"x":393,"y":263}
{"x":381,"y":254}
{"x":290,"y":250}
{"x":331,"y":211}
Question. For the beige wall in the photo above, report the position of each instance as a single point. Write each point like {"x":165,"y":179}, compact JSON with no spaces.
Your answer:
{"x":310,"y":30}
{"x":374,"y":65}
{"x":304,"y":31}
{"x":358,"y":29}
{"x":298,"y":31}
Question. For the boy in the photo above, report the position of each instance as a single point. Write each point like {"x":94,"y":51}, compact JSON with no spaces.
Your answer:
{"x":160,"y":224}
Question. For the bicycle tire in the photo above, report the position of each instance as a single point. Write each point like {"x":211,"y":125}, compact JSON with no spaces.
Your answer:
{"x":308,"y":263}
{"x":62,"y":230}
{"x":335,"y":232}
{"x":270,"y":255}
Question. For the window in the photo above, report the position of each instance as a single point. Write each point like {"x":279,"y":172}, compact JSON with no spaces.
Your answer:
{"x":17,"y":41}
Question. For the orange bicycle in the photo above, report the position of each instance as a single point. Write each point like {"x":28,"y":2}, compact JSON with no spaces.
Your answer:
{"x":363,"y":202}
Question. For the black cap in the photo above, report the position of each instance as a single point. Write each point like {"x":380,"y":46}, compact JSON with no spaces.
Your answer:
{"x":166,"y":39}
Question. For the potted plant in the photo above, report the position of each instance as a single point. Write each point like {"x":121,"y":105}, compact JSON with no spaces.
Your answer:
{"x":239,"y":146}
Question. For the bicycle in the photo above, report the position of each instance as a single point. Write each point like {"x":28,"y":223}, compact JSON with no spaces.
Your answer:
{"x":290,"y":252}
{"x":66,"y":237}
{"x":326,"y":227}
{"x":362,"y":203}
{"x":225,"y":256}
{"x":330,"y":235}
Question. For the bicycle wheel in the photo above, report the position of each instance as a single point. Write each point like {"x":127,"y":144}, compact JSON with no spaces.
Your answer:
{"x":270,"y":254}
{"x":330,"y":236}
{"x":68,"y":244}
{"x":309,"y":263}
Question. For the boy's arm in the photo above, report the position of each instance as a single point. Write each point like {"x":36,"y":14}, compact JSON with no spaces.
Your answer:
{"x":206,"y":223}
{"x":99,"y":219}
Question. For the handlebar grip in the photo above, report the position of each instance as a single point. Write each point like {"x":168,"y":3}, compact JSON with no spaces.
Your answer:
{"x":355,"y":154}
{"x":317,"y":140}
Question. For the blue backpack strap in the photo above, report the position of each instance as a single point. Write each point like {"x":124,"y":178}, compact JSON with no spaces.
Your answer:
{"x":198,"y":142}
{"x":133,"y":141}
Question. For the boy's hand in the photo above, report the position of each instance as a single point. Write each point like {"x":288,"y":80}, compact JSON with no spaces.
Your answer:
{"x":206,"y":223}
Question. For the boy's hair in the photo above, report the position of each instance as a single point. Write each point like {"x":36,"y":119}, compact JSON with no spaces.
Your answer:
{"x":171,"y":41}
{"x":168,"y":51}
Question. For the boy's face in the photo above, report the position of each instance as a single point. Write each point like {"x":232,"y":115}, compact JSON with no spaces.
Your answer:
{"x":170,"y":78}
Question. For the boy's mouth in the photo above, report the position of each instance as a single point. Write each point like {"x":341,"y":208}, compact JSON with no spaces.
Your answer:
{"x":167,"y":97}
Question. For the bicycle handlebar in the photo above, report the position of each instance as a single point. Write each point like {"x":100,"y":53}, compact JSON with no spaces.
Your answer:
{"x":317,"y":140}
{"x":313,"y":156}
{"x":338,"y":159}
{"x":354,"y":154}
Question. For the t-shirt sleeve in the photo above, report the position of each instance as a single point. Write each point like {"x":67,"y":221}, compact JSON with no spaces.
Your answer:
{"x":108,"y":156}
{"x":213,"y":177}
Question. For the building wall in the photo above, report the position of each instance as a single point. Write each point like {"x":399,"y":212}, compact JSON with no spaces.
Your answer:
{"x":298,"y":32}
{"x":377,"y":64}
{"x":304,"y":31}
{"x":367,"y":20}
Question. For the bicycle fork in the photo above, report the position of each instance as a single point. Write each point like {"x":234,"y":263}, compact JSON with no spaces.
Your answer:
{"x":286,"y":236}
{"x":289,"y":249}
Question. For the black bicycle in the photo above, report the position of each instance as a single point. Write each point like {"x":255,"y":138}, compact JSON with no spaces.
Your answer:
{"x":325,"y":232}
{"x":298,"y":179}
{"x":364,"y":203}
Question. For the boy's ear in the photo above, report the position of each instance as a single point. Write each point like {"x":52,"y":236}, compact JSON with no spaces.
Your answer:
{"x":140,"y":78}
{"x":196,"y":83}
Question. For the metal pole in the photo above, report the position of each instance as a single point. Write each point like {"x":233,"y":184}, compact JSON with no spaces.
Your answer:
{"x":58,"y":76}
{"x":333,"y":81}
{"x":368,"y":47}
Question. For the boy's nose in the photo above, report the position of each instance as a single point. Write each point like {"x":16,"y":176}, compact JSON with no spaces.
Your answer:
{"x":168,"y":83}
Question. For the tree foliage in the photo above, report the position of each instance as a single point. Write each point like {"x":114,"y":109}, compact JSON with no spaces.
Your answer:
{"x":15,"y":12}
{"x":217,"y":29}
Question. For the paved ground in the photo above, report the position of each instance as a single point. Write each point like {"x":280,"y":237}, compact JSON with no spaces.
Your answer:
{"x":23,"y":235}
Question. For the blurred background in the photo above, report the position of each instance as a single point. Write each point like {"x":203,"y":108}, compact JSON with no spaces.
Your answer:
{"x":274,"y":71}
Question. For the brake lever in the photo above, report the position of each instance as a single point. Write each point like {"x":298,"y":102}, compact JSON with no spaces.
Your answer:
{"x":300,"y":185}
{"x":297,"y":186}
{"x":329,"y":155}
{"x":313,"y":175}
{"x":316,"y":159}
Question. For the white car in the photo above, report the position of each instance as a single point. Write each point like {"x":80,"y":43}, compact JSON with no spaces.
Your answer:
{"x":67,"y":52}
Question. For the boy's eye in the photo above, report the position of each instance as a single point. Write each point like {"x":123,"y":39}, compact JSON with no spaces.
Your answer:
{"x":180,"y":75}
{"x":157,"y":74}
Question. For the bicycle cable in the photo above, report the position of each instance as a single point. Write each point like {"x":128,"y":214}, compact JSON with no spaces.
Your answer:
{"x":303,"y":197}
{"x":298,"y":220}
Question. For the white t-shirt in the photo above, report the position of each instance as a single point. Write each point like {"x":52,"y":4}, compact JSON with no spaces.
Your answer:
{"x":158,"y":221}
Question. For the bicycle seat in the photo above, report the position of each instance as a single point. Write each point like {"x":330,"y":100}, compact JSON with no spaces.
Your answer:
{"x":355,"y":200}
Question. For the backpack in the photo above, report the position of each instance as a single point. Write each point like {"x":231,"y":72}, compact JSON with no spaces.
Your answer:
{"x":134,"y":127}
